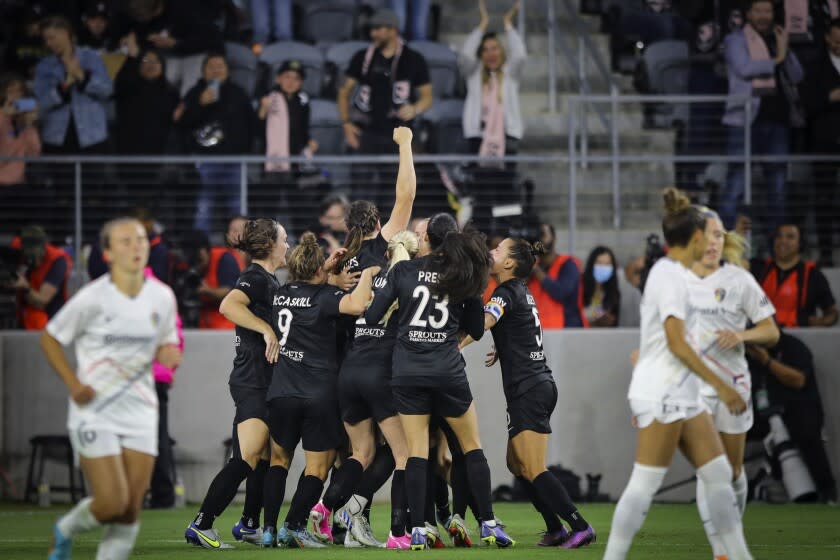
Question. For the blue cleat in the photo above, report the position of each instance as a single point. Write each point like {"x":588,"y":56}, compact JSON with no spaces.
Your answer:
{"x":495,"y":535}
{"x":284,"y":537}
{"x":205,"y":538}
{"x":62,"y":546}
{"x":269,"y":538}
{"x":246,"y":534}
{"x":418,"y":539}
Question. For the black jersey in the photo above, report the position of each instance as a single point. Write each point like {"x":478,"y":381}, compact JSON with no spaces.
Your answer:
{"x":250,"y":367}
{"x":371,"y":253}
{"x":373,"y":343}
{"x":427,"y":345}
{"x":304,"y":319}
{"x":518,"y":337}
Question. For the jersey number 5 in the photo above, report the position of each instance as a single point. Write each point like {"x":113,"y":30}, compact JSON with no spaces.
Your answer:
{"x":284,"y":323}
{"x":441,"y":305}
{"x":539,"y":326}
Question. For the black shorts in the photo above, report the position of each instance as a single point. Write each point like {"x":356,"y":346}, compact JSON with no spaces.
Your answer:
{"x":449,"y":400}
{"x":315,"y":421}
{"x":365,"y":394}
{"x":249,"y":403}
{"x":532,"y":411}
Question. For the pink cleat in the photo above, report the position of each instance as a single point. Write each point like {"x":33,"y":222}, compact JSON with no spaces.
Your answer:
{"x":398,"y":543}
{"x":319,"y":520}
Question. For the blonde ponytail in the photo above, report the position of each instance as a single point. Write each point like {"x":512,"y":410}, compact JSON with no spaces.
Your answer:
{"x":402,"y":247}
{"x":734,"y":249}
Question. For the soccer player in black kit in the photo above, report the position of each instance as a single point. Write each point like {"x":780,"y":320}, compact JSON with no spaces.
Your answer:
{"x":438,"y":295}
{"x":302,"y":396}
{"x":513,"y":318}
{"x":248,"y":305}
{"x":368,"y":468}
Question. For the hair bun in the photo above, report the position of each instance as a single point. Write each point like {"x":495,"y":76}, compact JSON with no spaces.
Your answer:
{"x":675,"y":201}
{"x":308,"y":238}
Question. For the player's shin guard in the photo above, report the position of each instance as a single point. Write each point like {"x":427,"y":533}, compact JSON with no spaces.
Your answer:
{"x":554,"y":493}
{"x":415,"y":487}
{"x":399,"y":504}
{"x":274,"y":490}
{"x":552,"y":522}
{"x":117,"y":541}
{"x":221,"y":492}
{"x":306,"y":496}
{"x":632,"y":508}
{"x":720,"y":497}
{"x":711,"y":533}
{"x":78,"y":520}
{"x":254,"y":490}
{"x":376,"y":475}
{"x":741,"y":488}
{"x":478,"y":472}
{"x":343,"y":482}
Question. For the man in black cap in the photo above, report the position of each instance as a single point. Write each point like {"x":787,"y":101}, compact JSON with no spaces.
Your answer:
{"x":393,"y":89}
{"x":42,"y":289}
{"x":94,"y":32}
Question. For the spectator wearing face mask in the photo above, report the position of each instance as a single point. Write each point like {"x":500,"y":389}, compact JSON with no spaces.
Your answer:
{"x":601,"y":296}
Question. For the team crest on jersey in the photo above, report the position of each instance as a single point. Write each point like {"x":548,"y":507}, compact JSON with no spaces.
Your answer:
{"x":155,"y":318}
{"x":720,"y":295}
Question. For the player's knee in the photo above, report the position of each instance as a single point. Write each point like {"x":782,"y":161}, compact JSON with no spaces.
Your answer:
{"x":252,"y":458}
{"x":531,"y":472}
{"x":320,"y":470}
{"x":513,"y":466}
{"x":110,"y":509}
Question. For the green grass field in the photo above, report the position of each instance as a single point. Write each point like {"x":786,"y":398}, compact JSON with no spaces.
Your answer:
{"x":671,"y":531}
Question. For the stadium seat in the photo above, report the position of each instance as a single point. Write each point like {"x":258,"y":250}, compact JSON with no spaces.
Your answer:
{"x":243,"y":67}
{"x":329,"y":21}
{"x":443,"y":121}
{"x":443,"y":67}
{"x":667,"y":66}
{"x":325,"y":127}
{"x":338,"y":59}
{"x":55,"y":448}
{"x":312,"y":59}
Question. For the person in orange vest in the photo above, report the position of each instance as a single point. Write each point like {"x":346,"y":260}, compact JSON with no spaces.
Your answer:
{"x":42,"y":288}
{"x":556,"y":286}
{"x":219,"y":268}
{"x":795,"y":286}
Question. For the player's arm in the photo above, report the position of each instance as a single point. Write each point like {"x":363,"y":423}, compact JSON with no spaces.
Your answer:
{"x":56,"y":357}
{"x":765,"y":333}
{"x":406,"y":186}
{"x":675,"y":334}
{"x":489,"y":322}
{"x":357,"y":301}
{"x":234,"y":307}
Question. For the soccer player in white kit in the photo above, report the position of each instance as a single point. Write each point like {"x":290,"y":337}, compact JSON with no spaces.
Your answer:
{"x":118,"y":324}
{"x":724,"y":298}
{"x":665,"y":393}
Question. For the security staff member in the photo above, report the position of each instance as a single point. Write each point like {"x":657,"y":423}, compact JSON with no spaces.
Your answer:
{"x":42,"y":289}
{"x":220,"y":268}
{"x":795,"y":286}
{"x":390,"y":86}
{"x":556,"y":285}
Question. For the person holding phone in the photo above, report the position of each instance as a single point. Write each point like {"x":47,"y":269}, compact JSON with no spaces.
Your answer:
{"x":18,"y":134}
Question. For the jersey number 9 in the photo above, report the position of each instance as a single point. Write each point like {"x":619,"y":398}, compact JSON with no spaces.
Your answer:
{"x":284,"y":323}
{"x":440,"y":305}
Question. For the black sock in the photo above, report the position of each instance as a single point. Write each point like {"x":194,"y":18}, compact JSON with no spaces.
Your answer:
{"x":221,"y":492}
{"x":342,"y":484}
{"x":275,"y":489}
{"x":552,"y":522}
{"x":254,"y":495}
{"x":415,"y":489}
{"x":551,"y":489}
{"x":478,"y":473}
{"x":305,"y":497}
{"x":442,"y":497}
{"x":399,"y":505}
{"x":429,"y":511}
{"x":375,"y":476}
{"x":460,"y":485}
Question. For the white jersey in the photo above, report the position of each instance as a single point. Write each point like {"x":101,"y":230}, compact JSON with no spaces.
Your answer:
{"x":659,"y":376}
{"x":116,"y":339}
{"x":725,"y":300}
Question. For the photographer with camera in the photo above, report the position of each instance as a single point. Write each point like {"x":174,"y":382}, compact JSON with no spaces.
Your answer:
{"x":784,"y":384}
{"x":556,"y":285}
{"x":18,"y":133}
{"x":202,"y":280}
{"x":42,"y":278}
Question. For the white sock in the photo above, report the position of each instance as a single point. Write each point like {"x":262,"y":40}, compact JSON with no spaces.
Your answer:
{"x":632,"y":508}
{"x":711,"y":533}
{"x":741,"y":487}
{"x":117,"y":541}
{"x":356,"y":504}
{"x":720,"y":498}
{"x":78,"y":520}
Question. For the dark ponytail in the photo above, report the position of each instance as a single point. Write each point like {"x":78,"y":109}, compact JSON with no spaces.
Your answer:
{"x":525,"y":254}
{"x":362,"y":219}
{"x":462,"y":263}
{"x":681,"y":219}
{"x":258,"y":238}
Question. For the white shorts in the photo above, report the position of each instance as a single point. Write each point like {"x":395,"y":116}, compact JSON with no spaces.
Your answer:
{"x":92,"y":443}
{"x":725,"y":421}
{"x":645,"y":412}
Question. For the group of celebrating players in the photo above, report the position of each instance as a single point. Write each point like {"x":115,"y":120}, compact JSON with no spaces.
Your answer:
{"x":371,"y":337}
